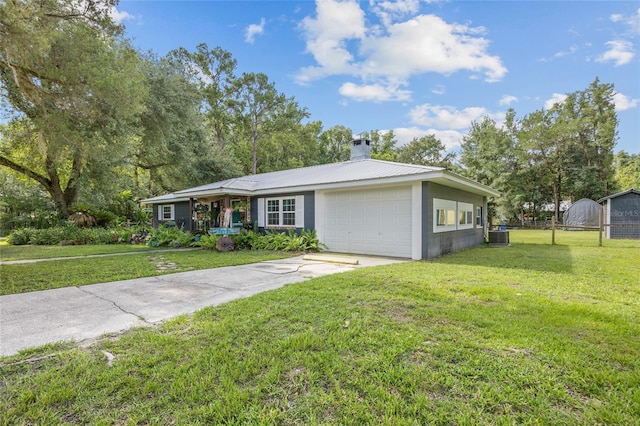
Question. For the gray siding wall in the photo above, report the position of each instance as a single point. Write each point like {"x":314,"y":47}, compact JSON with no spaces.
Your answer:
{"x":439,"y":243}
{"x":182,"y":217}
{"x":309,"y":207}
{"x":624,"y":209}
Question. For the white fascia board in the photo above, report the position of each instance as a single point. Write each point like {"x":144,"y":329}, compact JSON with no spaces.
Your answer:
{"x":210,"y":193}
{"x":163,"y":200}
{"x":456,"y":181}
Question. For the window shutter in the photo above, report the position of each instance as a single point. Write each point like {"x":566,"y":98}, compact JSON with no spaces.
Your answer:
{"x":159,"y":211}
{"x":261,"y":212}
{"x":299,"y":211}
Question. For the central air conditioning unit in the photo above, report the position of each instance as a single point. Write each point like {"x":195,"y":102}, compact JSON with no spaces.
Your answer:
{"x":499,"y":237}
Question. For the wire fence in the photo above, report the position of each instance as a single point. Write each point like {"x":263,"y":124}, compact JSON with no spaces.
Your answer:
{"x":618,"y":230}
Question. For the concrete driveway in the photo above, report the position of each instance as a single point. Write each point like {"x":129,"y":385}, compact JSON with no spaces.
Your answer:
{"x":87,"y":312}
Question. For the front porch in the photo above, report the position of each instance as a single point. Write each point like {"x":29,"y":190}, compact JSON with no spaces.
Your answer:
{"x":224,"y":215}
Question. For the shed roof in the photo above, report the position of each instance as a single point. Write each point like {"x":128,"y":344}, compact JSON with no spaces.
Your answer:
{"x":619,"y":194}
{"x":336,"y":175}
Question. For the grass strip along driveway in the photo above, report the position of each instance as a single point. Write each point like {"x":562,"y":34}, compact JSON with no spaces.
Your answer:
{"x":20,"y":278}
{"x":525,"y":334}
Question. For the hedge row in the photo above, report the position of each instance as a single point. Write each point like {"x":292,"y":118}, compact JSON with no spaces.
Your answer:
{"x":166,"y":237}
{"x":71,"y":234}
{"x":250,"y":240}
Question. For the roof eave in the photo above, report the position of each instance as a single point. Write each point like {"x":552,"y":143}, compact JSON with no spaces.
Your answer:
{"x":438,"y":176}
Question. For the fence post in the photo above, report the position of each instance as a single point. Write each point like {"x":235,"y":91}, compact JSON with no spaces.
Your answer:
{"x":600,"y":227}
{"x":553,"y":230}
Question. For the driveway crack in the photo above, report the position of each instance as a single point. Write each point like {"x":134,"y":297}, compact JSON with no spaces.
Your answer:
{"x":120,"y":308}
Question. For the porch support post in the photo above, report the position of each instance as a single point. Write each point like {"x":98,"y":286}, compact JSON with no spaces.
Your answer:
{"x":416,"y":221}
{"x":190,"y":214}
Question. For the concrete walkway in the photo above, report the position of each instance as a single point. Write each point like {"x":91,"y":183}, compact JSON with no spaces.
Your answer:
{"x":87,"y":312}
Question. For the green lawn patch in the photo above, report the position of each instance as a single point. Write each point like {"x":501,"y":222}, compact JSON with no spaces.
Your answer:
{"x":525,"y":334}
{"x":20,"y":278}
{"x":26,"y":252}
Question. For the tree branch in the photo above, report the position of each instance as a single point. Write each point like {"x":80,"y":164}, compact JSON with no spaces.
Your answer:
{"x":42,"y":180}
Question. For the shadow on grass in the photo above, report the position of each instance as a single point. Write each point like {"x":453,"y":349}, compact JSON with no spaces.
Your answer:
{"x":521,"y":256}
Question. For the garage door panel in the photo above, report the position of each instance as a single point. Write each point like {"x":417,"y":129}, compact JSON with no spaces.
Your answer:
{"x":375,"y":221}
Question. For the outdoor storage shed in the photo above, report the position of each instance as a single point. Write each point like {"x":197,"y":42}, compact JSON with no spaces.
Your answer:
{"x":622,"y":214}
{"x":583,"y":212}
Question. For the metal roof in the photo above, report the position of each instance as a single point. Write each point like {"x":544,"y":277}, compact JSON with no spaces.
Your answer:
{"x":628,"y":191}
{"x":344,"y":174}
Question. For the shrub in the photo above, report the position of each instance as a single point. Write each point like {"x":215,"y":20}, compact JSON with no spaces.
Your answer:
{"x":47,"y":237}
{"x":170,"y":236}
{"x":285,"y":241}
{"x":207,"y":242}
{"x":105,"y":218}
{"x":19,"y":237}
{"x":309,"y":241}
{"x":247,"y":240}
{"x":71,"y":234}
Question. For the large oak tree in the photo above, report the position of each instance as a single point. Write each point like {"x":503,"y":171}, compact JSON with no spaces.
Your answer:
{"x":73,"y":89}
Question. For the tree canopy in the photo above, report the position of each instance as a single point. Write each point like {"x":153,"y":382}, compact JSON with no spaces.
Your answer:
{"x":562,"y":153}
{"x":74,"y":91}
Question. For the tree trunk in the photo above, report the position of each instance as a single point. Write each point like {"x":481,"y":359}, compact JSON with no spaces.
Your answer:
{"x":254,"y":136}
{"x":54,"y":188}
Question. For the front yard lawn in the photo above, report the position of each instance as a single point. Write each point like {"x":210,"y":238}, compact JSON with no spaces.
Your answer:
{"x":525,"y":334}
{"x":20,"y":278}
{"x":25,"y":252}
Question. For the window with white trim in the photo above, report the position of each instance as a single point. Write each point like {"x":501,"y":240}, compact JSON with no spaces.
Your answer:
{"x":465,"y":215}
{"x":444,"y":215}
{"x":452,"y":215}
{"x":166,"y":212}
{"x":281,"y":212}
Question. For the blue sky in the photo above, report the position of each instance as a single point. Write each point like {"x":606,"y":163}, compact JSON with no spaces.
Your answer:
{"x":414,"y":67}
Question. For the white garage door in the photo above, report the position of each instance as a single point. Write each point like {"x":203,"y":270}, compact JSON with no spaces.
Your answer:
{"x":372,"y":221}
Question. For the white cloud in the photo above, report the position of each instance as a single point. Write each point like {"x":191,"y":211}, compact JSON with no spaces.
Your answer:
{"x":374,"y":92}
{"x":327,"y":36}
{"x":253,"y":30}
{"x":616,"y":17}
{"x":341,"y":44}
{"x":508,"y":100}
{"x":620,"y":52}
{"x":452,"y":139}
{"x":632,"y":21}
{"x":427,"y":43}
{"x":439,"y":90}
{"x":119,"y":16}
{"x":556,"y":98}
{"x":572,"y":49}
{"x":623,"y":103}
{"x":446,"y":117}
{"x":388,"y":11}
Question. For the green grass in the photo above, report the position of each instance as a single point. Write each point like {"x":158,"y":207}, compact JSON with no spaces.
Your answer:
{"x":21,"y":278}
{"x":525,"y":334}
{"x":9,"y":252}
